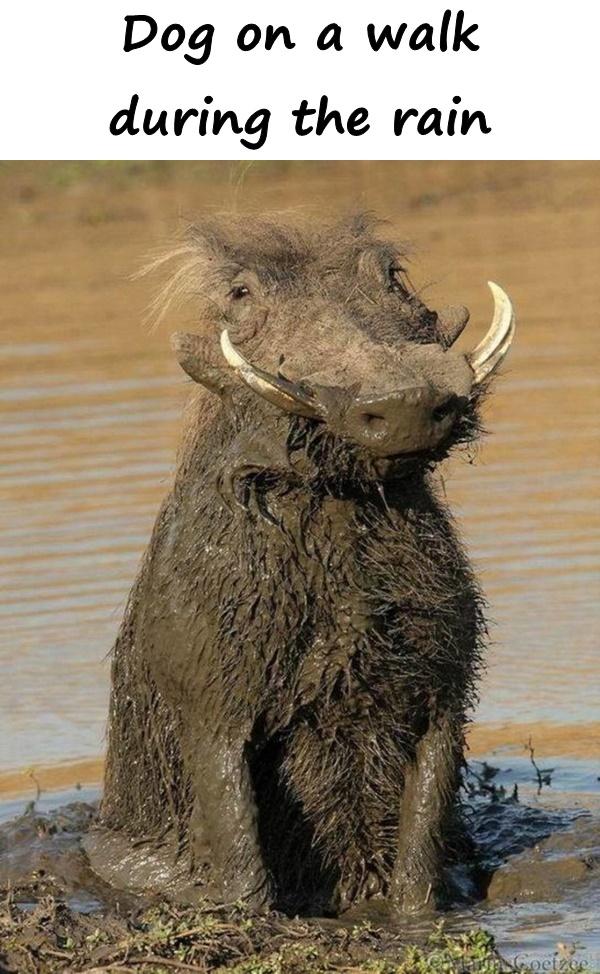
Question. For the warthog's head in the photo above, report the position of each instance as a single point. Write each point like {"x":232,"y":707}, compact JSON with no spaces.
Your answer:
{"x":317,"y":337}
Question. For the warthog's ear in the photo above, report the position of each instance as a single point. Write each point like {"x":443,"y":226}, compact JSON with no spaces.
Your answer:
{"x":190,"y":352}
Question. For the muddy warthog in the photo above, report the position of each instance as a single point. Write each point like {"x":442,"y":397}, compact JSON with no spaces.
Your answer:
{"x":300,"y":648}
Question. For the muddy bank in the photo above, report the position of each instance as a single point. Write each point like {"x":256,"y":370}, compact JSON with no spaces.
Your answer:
{"x":538,"y":872}
{"x":544,"y":871}
{"x":50,"y":938}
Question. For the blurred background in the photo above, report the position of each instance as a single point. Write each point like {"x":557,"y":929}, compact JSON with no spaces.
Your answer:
{"x":91,"y":405}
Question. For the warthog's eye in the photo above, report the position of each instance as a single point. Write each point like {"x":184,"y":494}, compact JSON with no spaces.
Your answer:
{"x":397,"y":280}
{"x":238,"y":292}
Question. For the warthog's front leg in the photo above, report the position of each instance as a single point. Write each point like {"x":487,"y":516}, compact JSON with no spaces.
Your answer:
{"x":425,"y":813}
{"x":224,"y":819}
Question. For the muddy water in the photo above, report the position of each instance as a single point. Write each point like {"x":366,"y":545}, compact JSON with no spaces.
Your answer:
{"x":90,"y":406}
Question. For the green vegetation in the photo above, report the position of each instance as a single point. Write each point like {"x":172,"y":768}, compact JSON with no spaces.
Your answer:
{"x":51,"y":937}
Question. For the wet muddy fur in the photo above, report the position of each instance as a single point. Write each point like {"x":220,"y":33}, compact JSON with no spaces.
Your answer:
{"x":299,"y":653}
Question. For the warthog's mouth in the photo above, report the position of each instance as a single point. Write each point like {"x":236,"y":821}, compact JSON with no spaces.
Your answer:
{"x":415,"y":417}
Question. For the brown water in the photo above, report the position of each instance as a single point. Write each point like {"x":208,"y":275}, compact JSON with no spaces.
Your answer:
{"x":91,"y":405}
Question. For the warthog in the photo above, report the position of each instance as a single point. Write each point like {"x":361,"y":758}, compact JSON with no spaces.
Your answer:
{"x":291,"y":679}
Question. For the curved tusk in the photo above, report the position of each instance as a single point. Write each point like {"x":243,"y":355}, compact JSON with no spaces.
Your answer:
{"x":494,"y":346}
{"x":275,"y":389}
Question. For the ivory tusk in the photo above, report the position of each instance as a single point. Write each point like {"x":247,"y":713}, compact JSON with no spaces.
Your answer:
{"x":492,"y":349}
{"x":276,"y":390}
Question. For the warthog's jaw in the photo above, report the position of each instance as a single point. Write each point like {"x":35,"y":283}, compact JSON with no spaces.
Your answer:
{"x":412,"y":418}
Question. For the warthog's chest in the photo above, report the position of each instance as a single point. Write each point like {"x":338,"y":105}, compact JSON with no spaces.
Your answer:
{"x":292,"y":615}
{"x":328,"y":656}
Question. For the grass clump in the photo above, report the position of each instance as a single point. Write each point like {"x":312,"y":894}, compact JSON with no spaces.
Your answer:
{"x":48,"y":937}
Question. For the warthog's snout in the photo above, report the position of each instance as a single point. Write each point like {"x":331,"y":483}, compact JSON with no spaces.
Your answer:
{"x":432,"y":391}
{"x":410,"y":419}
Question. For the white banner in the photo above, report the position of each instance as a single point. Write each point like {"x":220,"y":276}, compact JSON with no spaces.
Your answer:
{"x":490,"y":79}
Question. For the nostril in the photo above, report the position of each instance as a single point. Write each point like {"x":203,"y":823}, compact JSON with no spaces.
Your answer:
{"x":444,"y":409}
{"x":373,"y":422}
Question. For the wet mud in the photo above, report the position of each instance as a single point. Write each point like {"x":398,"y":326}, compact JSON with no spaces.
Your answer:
{"x":537,"y":868}
{"x":523,"y":853}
